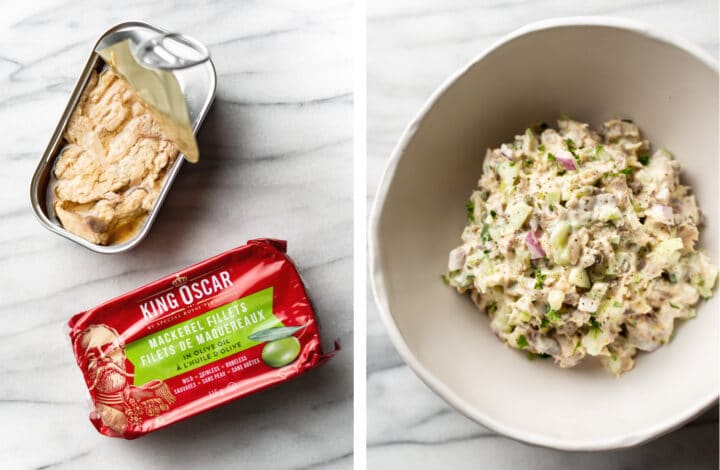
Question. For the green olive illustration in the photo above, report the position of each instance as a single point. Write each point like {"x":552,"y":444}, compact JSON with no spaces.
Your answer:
{"x":281,"y":352}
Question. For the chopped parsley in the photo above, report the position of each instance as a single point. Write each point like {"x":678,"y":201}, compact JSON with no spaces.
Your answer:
{"x":485,"y":233}
{"x":541,"y":147}
{"x":617,"y":304}
{"x":551,"y":157}
{"x":644,"y":159}
{"x":445,"y":279}
{"x":528,"y":162}
{"x":544,"y":323}
{"x":539,"y":279}
{"x":627,"y":171}
{"x":594,"y":325}
{"x":493,"y":214}
{"x":571,"y":148}
{"x":552,"y":315}
{"x":522,"y":342}
{"x":491,"y":308}
{"x":512,"y":163}
{"x":673,"y":305}
{"x":598,"y":149}
{"x":470,"y":206}
{"x":486,"y":251}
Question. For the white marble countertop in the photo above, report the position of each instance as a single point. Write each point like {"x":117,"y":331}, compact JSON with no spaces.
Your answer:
{"x":413,"y":45}
{"x":276,"y":161}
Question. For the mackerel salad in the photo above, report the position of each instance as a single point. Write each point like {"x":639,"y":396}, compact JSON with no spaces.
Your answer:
{"x":581,"y":243}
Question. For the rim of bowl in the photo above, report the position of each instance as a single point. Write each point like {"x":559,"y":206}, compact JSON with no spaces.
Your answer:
{"x":378,"y":285}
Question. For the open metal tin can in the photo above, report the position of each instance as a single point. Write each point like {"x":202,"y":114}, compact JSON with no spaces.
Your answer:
{"x":198,"y":85}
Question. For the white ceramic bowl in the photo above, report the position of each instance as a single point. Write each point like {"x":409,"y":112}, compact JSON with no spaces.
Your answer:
{"x":592,"y":69}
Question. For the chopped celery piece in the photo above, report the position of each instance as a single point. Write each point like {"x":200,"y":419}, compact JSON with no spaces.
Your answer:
{"x":507,"y":173}
{"x":500,"y":320}
{"x":594,"y":341}
{"x":518,"y":214}
{"x":598,"y":291}
{"x":579,"y":277}
{"x":553,"y":197}
{"x":603,"y":154}
{"x":668,"y":246}
{"x":562,"y":257}
{"x":559,"y":235}
{"x":524,"y":316}
{"x":555,"y":299}
{"x":608,"y":212}
{"x":668,"y":251}
{"x":611,"y":310}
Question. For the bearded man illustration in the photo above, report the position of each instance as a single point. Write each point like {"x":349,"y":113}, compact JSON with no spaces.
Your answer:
{"x":118,"y":403}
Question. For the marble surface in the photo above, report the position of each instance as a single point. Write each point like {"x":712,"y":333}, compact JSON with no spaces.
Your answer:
{"x":413,"y":45}
{"x":276,"y":161}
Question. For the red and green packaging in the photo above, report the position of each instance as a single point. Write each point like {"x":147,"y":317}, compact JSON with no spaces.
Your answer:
{"x":224,"y":328}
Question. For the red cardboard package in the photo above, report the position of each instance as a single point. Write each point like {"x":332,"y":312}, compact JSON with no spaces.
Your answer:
{"x":224,"y":328}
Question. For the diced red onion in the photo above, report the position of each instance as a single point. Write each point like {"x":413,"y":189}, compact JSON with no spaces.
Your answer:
{"x":536,"y":250}
{"x":567,"y":160}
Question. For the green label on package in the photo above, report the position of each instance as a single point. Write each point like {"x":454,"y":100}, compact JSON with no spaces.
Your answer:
{"x":203,"y":339}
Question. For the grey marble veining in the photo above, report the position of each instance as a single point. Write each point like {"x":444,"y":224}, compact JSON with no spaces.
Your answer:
{"x":413,"y":45}
{"x":276,"y":161}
